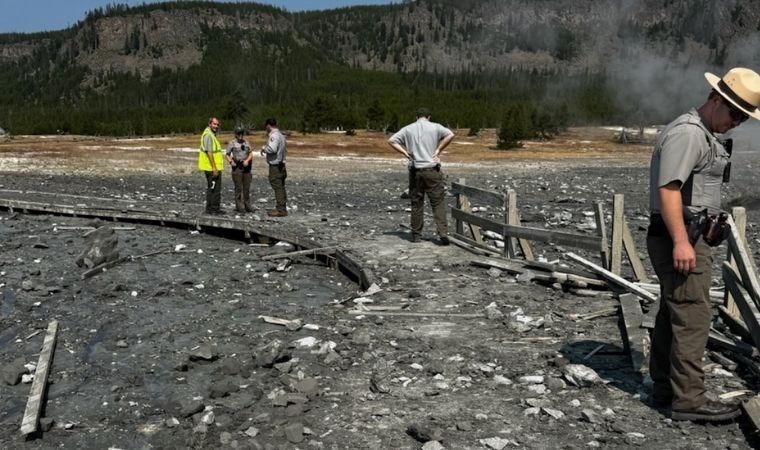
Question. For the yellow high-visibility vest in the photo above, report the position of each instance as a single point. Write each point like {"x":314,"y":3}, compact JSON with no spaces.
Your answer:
{"x":203,"y":162}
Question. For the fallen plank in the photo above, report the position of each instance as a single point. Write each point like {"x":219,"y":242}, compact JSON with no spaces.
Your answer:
{"x":593,"y":315}
{"x":37,"y":393}
{"x":472,"y":246}
{"x":593,"y":352}
{"x":102,"y":267}
{"x":635,"y":336}
{"x":501,"y":265}
{"x":720,"y":340}
{"x":355,"y":312}
{"x":646,"y":295}
{"x":751,"y":409}
{"x":311,"y":251}
{"x":724,"y":361}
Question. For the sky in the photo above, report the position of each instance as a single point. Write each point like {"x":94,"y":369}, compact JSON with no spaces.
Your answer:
{"x":43,"y":15}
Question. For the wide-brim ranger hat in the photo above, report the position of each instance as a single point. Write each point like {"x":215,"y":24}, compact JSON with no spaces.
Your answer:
{"x":741,"y":87}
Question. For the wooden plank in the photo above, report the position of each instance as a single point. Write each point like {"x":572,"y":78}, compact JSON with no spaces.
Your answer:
{"x":458,"y":224}
{"x":534,"y":234}
{"x":510,"y":207}
{"x":501,"y":265}
{"x":629,"y":245}
{"x":735,"y":324}
{"x":601,"y":230}
{"x":643,"y":293}
{"x":102,"y":267}
{"x":472,"y":246}
{"x":524,"y":244}
{"x":740,"y":218}
{"x":635,"y":336}
{"x":724,"y":361}
{"x":746,"y":308}
{"x":743,"y":262}
{"x":720,"y":340}
{"x":363,"y":277}
{"x":474,"y":229}
{"x":751,"y":409}
{"x":616,"y":257}
{"x":36,"y":395}
{"x":311,"y":251}
{"x":355,"y":312}
{"x":480,"y":196}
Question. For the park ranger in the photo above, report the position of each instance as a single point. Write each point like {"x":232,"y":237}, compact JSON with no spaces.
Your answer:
{"x":689,"y":164}
{"x":240,"y":159}
{"x":275,"y":151}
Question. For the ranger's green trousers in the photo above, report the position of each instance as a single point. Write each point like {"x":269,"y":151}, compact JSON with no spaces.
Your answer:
{"x":682,"y":325}
{"x":277,"y":176}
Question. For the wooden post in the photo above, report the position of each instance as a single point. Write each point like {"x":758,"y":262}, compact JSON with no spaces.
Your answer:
{"x":745,"y":267}
{"x":740,"y":218}
{"x":37,"y":393}
{"x":509,"y":204}
{"x":746,"y":308}
{"x":617,"y":234}
{"x":639,"y":272}
{"x":601,"y":230}
{"x":463,"y":204}
{"x":459,"y":226}
{"x":513,"y":218}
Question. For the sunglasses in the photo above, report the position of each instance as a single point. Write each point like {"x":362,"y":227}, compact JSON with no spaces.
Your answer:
{"x":737,"y":115}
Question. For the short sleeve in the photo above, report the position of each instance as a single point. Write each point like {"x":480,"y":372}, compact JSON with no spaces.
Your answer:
{"x":680,"y":154}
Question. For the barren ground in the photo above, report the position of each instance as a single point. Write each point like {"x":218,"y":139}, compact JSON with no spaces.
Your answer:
{"x":168,"y":351}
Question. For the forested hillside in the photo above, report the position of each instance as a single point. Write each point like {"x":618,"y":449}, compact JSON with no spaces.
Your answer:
{"x":166,"y":67}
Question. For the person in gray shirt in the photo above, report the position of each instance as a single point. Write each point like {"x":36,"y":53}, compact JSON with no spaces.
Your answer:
{"x":275,"y":151}
{"x":689,"y":165}
{"x":240,"y":158}
{"x":422,"y":143}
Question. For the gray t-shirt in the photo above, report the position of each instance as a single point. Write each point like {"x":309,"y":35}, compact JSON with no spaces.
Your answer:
{"x":420,"y":140}
{"x":275,"y":148}
{"x":686,"y":147}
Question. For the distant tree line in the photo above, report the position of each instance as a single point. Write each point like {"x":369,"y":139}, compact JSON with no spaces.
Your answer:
{"x":278,"y":76}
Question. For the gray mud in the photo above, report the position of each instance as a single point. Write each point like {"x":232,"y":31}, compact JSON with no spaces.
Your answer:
{"x":168,"y":351}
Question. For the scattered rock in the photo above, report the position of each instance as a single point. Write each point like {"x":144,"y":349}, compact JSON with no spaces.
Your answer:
{"x":424,"y":433}
{"x":12,"y":372}
{"x":294,"y":432}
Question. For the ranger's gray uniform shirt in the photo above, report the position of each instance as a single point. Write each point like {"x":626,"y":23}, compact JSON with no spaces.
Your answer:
{"x":686,"y":151}
{"x":420,"y":139}
{"x":238,"y":150}
{"x":275,"y":148}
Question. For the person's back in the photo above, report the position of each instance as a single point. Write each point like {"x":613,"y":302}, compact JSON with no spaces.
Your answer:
{"x":421,"y":140}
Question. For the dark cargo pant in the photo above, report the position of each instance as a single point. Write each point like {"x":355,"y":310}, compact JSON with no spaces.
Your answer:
{"x":213,"y":191}
{"x":277,"y":176}
{"x":428,"y":181}
{"x":242,"y":181}
{"x":682,"y":325}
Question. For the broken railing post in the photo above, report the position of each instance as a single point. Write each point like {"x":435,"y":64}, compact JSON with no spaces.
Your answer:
{"x":601,"y":231}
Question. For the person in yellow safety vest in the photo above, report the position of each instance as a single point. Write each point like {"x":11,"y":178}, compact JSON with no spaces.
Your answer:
{"x":211,"y":163}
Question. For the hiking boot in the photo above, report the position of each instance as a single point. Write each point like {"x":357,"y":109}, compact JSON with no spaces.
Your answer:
{"x":443,"y":240}
{"x":277,"y":213}
{"x":415,"y":238}
{"x":215,"y":212}
{"x":711,"y":411}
